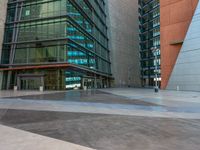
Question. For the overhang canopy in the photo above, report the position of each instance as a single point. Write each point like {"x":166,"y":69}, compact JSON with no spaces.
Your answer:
{"x":49,"y":66}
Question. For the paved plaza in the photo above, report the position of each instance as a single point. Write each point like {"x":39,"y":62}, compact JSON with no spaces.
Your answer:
{"x":104,"y":119}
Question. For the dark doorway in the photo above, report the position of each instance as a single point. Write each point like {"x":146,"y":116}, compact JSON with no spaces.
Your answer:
{"x":30,"y":81}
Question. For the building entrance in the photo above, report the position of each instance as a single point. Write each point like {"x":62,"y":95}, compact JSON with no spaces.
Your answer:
{"x":92,"y":83}
{"x":30,"y":84}
{"x":30,"y":81}
{"x":89,"y":83}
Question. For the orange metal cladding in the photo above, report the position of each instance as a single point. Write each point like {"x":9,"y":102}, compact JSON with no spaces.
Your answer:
{"x":175,"y":18}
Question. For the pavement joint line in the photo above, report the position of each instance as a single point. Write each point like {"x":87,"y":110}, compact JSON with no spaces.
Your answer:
{"x":122,"y":112}
{"x":160,"y":96}
{"x":159,"y":108}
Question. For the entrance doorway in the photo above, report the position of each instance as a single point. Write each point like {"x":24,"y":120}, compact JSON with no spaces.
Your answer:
{"x":30,"y":84}
{"x":89,"y":83}
{"x":92,"y":83}
{"x":30,"y":81}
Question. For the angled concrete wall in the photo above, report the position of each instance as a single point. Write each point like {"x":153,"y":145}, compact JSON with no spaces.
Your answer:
{"x":123,"y":17}
{"x":186,"y":73}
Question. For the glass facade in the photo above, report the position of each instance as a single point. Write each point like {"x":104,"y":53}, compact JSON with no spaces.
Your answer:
{"x":149,"y":19}
{"x":42,"y":32}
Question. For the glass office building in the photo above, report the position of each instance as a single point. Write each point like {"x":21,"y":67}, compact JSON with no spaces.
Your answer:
{"x":57,"y":44}
{"x":149,"y":19}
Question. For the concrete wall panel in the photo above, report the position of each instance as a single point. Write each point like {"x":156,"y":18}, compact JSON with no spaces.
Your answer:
{"x":124,"y":31}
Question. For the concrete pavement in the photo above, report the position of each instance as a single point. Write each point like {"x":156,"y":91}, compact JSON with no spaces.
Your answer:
{"x":106,"y":119}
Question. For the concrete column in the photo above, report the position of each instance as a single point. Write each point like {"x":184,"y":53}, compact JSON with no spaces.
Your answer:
{"x":18,"y":83}
{"x":42,"y":84}
{"x":8,"y":80}
{"x":3,"y":10}
{"x":82,"y":82}
{"x":1,"y":79}
{"x":42,"y":81}
{"x":95,"y":81}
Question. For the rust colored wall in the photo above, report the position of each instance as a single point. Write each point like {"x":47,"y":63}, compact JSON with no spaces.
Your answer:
{"x":175,"y":18}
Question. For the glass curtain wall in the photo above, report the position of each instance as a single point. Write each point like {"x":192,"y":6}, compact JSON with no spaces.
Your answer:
{"x":149,"y":37}
{"x":57,"y":31}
